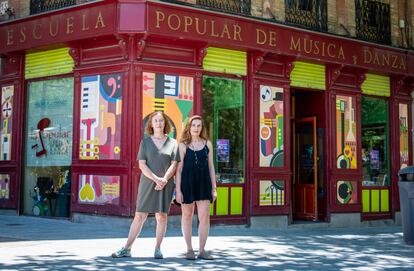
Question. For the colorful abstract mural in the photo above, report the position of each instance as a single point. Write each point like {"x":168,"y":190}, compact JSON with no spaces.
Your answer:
{"x":97,"y":189}
{"x":7,"y":93}
{"x":101,"y":112}
{"x":271,"y":193}
{"x":271,"y":127}
{"x":346,"y":192}
{"x":346,"y":143}
{"x":4,"y":186}
{"x":171,"y":94}
{"x":403,"y":116}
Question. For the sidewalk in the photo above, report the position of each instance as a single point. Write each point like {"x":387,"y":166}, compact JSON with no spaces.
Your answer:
{"x":32,"y":243}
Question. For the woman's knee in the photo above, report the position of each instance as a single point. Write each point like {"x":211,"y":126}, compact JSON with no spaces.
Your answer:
{"x":140,"y":217}
{"x":161,"y":217}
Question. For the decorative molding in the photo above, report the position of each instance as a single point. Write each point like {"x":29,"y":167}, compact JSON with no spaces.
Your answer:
{"x":258,"y":61}
{"x":360,"y":78}
{"x":289,"y":66}
{"x":201,"y":53}
{"x":140,"y":48}
{"x":335,"y":72}
{"x":124,"y":48}
{"x":75,"y":54}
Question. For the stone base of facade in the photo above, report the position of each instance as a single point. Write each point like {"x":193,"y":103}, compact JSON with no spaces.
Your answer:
{"x":276,"y":222}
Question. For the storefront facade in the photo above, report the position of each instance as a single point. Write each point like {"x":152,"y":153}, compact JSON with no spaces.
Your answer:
{"x":305,"y":126}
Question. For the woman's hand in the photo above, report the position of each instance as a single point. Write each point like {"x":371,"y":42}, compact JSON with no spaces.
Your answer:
{"x":179,"y":196}
{"x":214,"y":194}
{"x":160,"y":183}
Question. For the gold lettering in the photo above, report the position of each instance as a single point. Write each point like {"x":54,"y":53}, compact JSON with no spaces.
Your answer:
{"x":99,"y":21}
{"x":213,"y":33}
{"x":305,"y":47}
{"x":36,"y":35}
{"x":10,"y":37}
{"x":323,"y":48}
{"x":272,"y":38}
{"x":197,"y":27}
{"x":84,"y":25}
{"x":187,"y":22}
{"x":316,"y":49}
{"x":236,"y":32}
{"x":260,"y":33}
{"x":402,"y":64}
{"x":54,"y":34}
{"x":385,"y":59}
{"x":367,"y":56}
{"x":69,"y":25}
{"x":160,"y":18}
{"x":341,"y":53}
{"x":376,"y":59}
{"x":293,"y":45}
{"x":333,"y":46}
{"x":225,"y":32}
{"x":394,"y":61}
{"x":22,"y":34}
{"x":178,"y":22}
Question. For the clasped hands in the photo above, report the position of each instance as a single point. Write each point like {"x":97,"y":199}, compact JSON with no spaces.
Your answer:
{"x":160,"y":182}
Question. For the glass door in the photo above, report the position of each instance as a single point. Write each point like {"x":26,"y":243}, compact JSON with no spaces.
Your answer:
{"x":223,"y":111}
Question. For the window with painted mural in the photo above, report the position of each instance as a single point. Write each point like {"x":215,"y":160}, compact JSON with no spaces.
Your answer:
{"x":346,"y":133}
{"x":7,"y":94}
{"x":403,"y":116}
{"x":48,"y":152}
{"x":172,"y":94}
{"x":223,"y":112}
{"x":99,"y":190}
{"x":101,"y":112}
{"x":4,"y":186}
{"x":375,"y":142}
{"x":271,"y":193}
{"x":346,"y":192}
{"x":271,"y":127}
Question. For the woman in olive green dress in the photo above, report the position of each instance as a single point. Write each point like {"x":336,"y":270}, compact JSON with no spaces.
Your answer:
{"x":158,"y":156}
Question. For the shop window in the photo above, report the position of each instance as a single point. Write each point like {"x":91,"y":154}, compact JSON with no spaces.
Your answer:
{"x":403,"y":116}
{"x":101,"y":190}
{"x":223,"y":111}
{"x":7,"y":94}
{"x":375,"y":150}
{"x":172,"y":94}
{"x":271,"y":193}
{"x":4,"y":186}
{"x":346,"y":133}
{"x":48,"y":147}
{"x":101,"y":112}
{"x":271,"y":153}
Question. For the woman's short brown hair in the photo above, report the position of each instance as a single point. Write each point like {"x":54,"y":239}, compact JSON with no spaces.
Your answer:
{"x":148,"y":128}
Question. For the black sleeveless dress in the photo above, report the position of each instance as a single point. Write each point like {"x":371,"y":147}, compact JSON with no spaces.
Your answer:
{"x":195,"y":176}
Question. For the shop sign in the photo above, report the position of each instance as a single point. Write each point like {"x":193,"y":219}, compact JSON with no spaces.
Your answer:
{"x":57,"y":28}
{"x":279,"y":39}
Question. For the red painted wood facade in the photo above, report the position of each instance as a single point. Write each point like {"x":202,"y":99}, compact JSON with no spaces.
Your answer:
{"x":132,"y":37}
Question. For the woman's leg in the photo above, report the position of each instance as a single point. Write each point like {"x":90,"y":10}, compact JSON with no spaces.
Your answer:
{"x":203,"y":211}
{"x":161,"y":228}
{"x":187,"y":211}
{"x":135,"y":228}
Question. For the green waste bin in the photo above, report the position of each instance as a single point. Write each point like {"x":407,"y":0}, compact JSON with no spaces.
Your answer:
{"x":406,"y":184}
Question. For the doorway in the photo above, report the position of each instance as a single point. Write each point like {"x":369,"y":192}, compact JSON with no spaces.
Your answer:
{"x":308,"y":186}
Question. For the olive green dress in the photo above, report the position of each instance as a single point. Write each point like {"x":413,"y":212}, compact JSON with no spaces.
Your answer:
{"x":158,"y":161}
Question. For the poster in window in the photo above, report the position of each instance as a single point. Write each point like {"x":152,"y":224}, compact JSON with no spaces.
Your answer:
{"x":346,"y":142}
{"x":49,"y":123}
{"x":101,"y":112}
{"x":171,"y":94}
{"x":346,"y":192}
{"x":4,"y":186}
{"x":403,"y":116}
{"x":271,"y":127}
{"x":7,"y":94}
{"x":223,"y":150}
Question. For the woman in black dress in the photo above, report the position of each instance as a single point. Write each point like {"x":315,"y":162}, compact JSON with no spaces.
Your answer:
{"x":195,"y":183}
